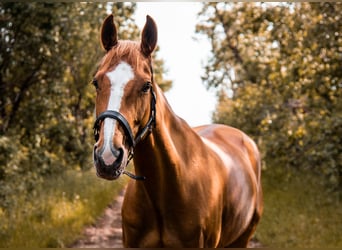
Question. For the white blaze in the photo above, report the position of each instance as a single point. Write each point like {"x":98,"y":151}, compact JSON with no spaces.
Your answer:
{"x":119,"y":78}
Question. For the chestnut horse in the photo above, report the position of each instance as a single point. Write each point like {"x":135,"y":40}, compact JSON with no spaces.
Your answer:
{"x":195,"y":187}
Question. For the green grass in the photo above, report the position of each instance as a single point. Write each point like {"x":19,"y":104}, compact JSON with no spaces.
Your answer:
{"x":299,"y":212}
{"x":58,"y":211}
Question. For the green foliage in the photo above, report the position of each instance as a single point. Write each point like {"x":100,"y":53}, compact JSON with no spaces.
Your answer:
{"x":48,"y":54}
{"x":278,"y":70}
{"x":56,"y":213}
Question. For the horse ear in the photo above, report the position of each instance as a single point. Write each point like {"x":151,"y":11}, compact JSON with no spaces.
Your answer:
{"x":108,"y":33}
{"x":149,"y":37}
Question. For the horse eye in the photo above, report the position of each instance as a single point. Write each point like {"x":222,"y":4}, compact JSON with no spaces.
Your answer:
{"x":95,"y":83}
{"x":147,"y":86}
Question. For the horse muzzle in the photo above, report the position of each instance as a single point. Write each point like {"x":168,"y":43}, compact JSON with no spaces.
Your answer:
{"x":110,"y":167}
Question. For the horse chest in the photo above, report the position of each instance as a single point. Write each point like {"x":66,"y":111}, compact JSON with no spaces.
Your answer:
{"x":149,"y":226}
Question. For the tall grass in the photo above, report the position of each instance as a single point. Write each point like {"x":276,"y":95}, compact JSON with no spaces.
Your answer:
{"x":300,"y":211}
{"x":57,"y":211}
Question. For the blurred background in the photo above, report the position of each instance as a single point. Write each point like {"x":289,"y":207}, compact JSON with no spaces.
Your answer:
{"x":273,"y":70}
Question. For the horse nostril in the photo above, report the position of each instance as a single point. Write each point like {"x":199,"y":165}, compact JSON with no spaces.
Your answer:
{"x":117,"y":152}
{"x":96,"y":155}
{"x":119,"y":156}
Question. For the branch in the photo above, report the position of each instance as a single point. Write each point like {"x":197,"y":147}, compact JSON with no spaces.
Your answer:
{"x":27,"y":83}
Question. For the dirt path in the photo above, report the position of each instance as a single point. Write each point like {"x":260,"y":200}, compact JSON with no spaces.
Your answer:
{"x":107,"y":232}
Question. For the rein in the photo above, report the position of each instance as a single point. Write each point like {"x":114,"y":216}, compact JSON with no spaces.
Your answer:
{"x":145,"y":131}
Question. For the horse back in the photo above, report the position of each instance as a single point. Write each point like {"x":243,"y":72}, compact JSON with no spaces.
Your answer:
{"x":234,"y":142}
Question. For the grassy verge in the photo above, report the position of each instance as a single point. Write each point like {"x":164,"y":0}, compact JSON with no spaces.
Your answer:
{"x":300,"y":212}
{"x":58,"y":211}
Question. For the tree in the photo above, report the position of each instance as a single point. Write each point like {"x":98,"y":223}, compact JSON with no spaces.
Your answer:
{"x":48,"y":54}
{"x":278,"y":70}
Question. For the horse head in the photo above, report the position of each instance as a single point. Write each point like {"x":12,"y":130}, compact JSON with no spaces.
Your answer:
{"x":125,"y":99}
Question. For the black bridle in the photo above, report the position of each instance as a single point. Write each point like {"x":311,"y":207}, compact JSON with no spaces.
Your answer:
{"x":132,"y":142}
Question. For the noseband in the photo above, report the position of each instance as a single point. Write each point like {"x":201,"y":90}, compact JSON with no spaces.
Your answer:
{"x":132,"y":142}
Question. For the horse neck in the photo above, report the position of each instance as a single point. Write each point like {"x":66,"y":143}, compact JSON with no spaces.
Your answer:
{"x":161,"y":157}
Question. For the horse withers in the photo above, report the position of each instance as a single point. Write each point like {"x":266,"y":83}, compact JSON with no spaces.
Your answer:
{"x":192,"y":187}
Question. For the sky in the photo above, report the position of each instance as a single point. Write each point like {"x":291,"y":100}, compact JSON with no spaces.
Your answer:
{"x":184,"y":57}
